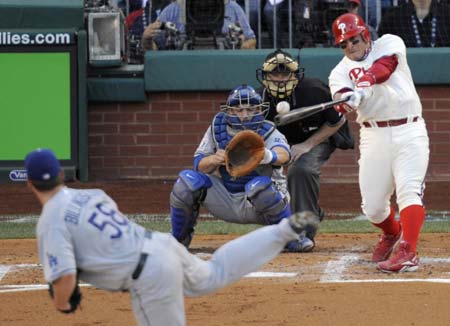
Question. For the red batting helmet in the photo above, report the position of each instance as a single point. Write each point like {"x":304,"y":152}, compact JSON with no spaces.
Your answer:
{"x":347,"y":26}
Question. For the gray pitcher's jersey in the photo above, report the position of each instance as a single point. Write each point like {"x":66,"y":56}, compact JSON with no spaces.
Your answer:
{"x":83,"y":229}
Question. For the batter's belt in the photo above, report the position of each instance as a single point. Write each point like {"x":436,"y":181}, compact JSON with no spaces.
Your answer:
{"x":389,"y":123}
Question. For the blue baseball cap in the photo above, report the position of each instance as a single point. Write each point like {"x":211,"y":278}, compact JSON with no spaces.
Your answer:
{"x":41,"y":165}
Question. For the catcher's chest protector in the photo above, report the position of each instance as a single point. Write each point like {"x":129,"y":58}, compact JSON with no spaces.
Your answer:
{"x":221,"y":136}
{"x":221,"y":140}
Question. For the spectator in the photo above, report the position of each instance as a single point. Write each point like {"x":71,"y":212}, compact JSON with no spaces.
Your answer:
{"x":303,"y":27}
{"x":276,"y":16}
{"x":374,"y":16}
{"x":122,"y":5}
{"x":278,"y":22}
{"x":354,"y":7}
{"x":420,"y":23}
{"x":253,"y":12}
{"x":137,"y":21}
{"x":234,"y":14}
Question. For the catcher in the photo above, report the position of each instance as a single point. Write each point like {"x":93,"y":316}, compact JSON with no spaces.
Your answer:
{"x":237,"y":172}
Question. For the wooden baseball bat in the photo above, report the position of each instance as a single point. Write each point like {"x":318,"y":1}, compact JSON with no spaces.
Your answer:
{"x":304,"y":112}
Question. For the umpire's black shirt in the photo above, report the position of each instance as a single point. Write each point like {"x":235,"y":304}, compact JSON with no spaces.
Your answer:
{"x":308,"y":92}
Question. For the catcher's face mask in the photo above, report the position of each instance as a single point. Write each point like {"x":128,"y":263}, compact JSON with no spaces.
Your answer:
{"x":280,"y":74}
{"x":245,"y":109}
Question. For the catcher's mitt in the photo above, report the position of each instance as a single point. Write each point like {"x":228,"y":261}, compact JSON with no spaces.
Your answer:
{"x":244,"y":153}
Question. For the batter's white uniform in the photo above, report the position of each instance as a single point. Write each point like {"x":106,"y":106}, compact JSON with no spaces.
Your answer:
{"x":393,"y":157}
{"x":83,"y":230}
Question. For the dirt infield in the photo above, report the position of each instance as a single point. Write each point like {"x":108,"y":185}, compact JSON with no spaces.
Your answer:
{"x":336,"y":285}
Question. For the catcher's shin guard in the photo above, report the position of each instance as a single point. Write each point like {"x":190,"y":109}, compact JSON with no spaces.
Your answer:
{"x":187,"y":194}
{"x":267,"y":200}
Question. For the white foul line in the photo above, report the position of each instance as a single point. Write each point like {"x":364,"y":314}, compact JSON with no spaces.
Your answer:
{"x":397,"y":280}
{"x":28,"y":287}
{"x":270,"y":274}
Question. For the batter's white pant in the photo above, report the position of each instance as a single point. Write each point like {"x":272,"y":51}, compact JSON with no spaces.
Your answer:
{"x":172,"y":272}
{"x":392,"y":158}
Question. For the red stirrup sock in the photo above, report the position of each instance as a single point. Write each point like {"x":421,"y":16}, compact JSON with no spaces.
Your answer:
{"x":389,"y":225}
{"x":412,"y":218}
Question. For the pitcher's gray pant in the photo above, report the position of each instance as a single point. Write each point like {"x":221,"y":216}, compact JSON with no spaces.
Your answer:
{"x":172,"y":272}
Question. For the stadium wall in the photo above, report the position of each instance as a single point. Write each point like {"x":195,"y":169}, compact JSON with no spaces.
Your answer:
{"x":145,"y":122}
{"x":155,"y":139}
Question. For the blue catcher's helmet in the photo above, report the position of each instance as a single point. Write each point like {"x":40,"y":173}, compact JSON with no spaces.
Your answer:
{"x":245,"y":108}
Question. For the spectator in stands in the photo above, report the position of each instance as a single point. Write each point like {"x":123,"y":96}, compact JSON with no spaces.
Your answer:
{"x":234,"y":14}
{"x":305,"y":30}
{"x":136,"y":22}
{"x":420,"y":23}
{"x":278,"y":22}
{"x":253,"y":12}
{"x":122,"y":5}
{"x":374,"y":16}
{"x":354,"y":7}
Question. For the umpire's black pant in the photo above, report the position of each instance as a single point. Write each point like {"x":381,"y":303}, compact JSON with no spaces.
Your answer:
{"x":304,"y":181}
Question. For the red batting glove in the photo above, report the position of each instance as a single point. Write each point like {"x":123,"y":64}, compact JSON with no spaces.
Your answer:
{"x":344,"y":108}
{"x":367,"y":80}
{"x":349,"y":106}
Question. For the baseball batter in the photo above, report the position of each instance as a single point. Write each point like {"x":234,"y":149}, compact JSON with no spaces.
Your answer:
{"x":82,"y":234}
{"x":394,"y":145}
{"x":260,"y":197}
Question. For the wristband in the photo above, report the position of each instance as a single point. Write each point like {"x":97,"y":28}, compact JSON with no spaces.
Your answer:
{"x":270,"y":157}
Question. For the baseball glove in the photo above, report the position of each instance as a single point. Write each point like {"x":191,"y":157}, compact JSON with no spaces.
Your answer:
{"x":244,"y":153}
{"x":74,"y":300}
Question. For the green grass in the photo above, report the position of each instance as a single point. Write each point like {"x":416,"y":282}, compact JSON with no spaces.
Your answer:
{"x":11,"y":230}
{"x":22,"y":230}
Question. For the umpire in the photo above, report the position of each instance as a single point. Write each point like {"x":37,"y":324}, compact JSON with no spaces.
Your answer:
{"x":312,"y":139}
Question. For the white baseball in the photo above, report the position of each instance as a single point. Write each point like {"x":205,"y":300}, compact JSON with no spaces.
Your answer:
{"x":283,"y":107}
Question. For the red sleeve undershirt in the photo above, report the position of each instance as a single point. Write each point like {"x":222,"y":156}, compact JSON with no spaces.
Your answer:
{"x":383,"y":68}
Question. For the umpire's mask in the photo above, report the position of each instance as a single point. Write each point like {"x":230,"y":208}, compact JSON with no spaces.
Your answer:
{"x":279,"y":74}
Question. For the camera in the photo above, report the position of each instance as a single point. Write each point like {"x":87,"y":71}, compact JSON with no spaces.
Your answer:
{"x":169,"y":27}
{"x":234,"y":29}
{"x":233,"y":39}
{"x":89,"y":4}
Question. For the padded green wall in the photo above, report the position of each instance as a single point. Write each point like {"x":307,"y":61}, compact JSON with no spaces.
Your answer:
{"x":221,"y":70}
{"x":47,"y":14}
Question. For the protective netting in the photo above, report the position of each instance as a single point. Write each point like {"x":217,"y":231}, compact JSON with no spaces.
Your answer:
{"x":418,"y":27}
{"x":281,"y":23}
